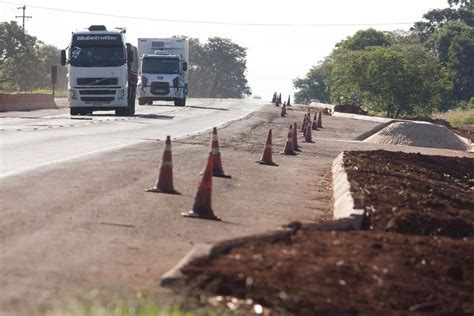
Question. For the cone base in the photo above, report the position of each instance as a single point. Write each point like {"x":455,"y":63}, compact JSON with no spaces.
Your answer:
{"x":289,"y":154}
{"x":311,"y":141}
{"x":222,"y":176}
{"x":157,"y":190}
{"x":267,"y":163}
{"x":192,"y":214}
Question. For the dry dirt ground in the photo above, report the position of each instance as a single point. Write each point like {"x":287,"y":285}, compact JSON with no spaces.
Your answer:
{"x":89,"y":226}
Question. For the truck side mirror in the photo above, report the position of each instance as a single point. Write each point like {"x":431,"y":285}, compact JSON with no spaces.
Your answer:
{"x":185,"y":66}
{"x":63,"y":57}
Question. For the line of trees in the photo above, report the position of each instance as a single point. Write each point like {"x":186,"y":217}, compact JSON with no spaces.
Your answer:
{"x":217,"y":68}
{"x":413,"y":73}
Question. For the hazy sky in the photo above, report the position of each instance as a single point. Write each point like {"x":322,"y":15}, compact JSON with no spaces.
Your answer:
{"x":275,"y":54}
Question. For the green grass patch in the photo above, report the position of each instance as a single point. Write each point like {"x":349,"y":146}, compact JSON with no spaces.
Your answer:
{"x":456,"y":118}
{"x":140,"y":305}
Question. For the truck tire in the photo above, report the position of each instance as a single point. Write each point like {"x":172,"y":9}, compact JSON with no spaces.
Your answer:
{"x":142,"y":101}
{"x":180,"y":102}
{"x":150,"y":102}
{"x":74,"y":111}
{"x":131,"y":102}
{"x":121,"y":111}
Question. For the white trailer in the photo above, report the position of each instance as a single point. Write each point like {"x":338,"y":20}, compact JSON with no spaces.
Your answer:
{"x":162,"y":70}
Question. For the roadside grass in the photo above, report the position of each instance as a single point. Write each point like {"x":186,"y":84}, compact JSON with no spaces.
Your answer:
{"x":141,"y":305}
{"x":456,"y":118}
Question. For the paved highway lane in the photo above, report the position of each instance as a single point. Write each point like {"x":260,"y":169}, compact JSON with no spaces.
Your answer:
{"x":28,"y":142}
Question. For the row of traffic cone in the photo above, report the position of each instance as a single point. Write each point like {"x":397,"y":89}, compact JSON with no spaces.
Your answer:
{"x":202,"y":207}
{"x":202,"y":203}
{"x":276,"y":99}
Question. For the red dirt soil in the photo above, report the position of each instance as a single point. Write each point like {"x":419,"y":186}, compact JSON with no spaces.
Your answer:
{"x":413,"y":193}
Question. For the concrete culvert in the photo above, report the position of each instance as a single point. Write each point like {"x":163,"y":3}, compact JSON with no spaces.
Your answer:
{"x":420,"y":135}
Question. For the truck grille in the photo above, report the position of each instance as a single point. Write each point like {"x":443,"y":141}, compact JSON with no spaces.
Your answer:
{"x":97,"y":99}
{"x":160,"y":88}
{"x":97,"y":81}
{"x":97,"y":92}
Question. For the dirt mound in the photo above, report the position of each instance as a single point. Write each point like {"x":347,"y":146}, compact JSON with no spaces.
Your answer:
{"x":413,"y":193}
{"x":388,"y":269}
{"x":317,"y":273}
{"x":418,"y":134}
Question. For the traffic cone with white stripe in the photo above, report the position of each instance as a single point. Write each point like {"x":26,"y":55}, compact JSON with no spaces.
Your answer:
{"x":314,"y":126}
{"x":295,"y":138}
{"x":289,"y":150}
{"x":308,"y":135}
{"x":267,"y":152}
{"x":304,"y":122}
{"x":202,"y":207}
{"x":217,"y":170}
{"x":165,"y":179}
{"x":320,"y":120}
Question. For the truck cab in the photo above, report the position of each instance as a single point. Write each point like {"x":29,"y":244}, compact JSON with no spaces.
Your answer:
{"x":102,"y":71}
{"x":162,"y":70}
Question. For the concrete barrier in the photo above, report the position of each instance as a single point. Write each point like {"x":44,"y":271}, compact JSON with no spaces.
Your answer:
{"x":26,"y":101}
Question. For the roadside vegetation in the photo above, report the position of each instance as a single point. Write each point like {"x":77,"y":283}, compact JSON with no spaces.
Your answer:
{"x":217,"y":68}
{"x":401,"y":74}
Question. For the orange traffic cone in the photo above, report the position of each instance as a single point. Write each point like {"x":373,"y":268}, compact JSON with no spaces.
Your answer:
{"x":267,"y":152}
{"x":304,"y":122}
{"x":202,"y":202}
{"x":289,"y":150}
{"x":165,"y":179}
{"x":308,"y":135}
{"x":295,"y":138}
{"x":320,"y":123}
{"x":314,"y":126}
{"x":288,"y":103}
{"x":217,"y":170}
{"x":283,"y":111}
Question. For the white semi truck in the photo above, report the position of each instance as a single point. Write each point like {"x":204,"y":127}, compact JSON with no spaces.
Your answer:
{"x":162,"y":70}
{"x":102,"y":71}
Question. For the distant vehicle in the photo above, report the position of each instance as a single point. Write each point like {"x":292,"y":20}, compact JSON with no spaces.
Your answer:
{"x":102,"y":71}
{"x":163,"y":70}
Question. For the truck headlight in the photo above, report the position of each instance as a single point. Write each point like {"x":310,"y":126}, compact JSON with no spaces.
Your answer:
{"x":121,"y":93}
{"x":72,"y":94}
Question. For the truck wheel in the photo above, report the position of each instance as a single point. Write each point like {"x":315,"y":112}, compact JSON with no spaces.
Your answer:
{"x":74,"y":111}
{"x":141,"y":101}
{"x":131,"y":103}
{"x":150,"y":102}
{"x":179,"y":102}
{"x":121,"y":111}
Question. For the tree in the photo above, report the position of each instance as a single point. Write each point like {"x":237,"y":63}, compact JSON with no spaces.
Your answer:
{"x":24,"y":71}
{"x":364,"y":39}
{"x":398,"y":81}
{"x":435,"y":19}
{"x":315,"y":86}
{"x":12,"y":40}
{"x":217,"y":69}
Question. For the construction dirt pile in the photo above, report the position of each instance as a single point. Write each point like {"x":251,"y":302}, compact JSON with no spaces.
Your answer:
{"x":429,"y":268}
{"x":420,"y":135}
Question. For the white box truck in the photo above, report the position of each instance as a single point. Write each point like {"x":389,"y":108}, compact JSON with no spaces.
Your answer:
{"x":102,"y":71}
{"x":162,"y":70}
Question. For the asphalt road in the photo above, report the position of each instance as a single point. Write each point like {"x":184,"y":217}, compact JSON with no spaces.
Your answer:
{"x":30,"y":140}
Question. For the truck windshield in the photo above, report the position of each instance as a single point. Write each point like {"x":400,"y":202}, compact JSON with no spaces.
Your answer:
{"x":155,"y":65}
{"x":97,"y":56}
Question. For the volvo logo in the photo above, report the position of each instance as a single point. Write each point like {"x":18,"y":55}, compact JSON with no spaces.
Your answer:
{"x":160,"y":77}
